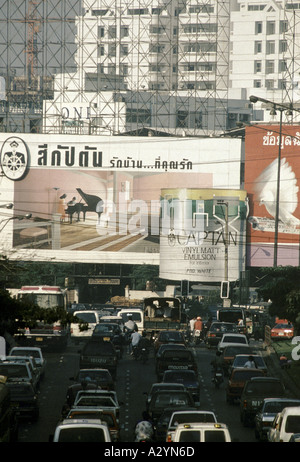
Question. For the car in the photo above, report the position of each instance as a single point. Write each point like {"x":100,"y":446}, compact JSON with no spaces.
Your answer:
{"x":99,"y":353}
{"x":230,"y":352}
{"x":104,"y":415}
{"x":281,"y":331}
{"x":83,"y":329}
{"x":212,"y":432}
{"x":265,"y":417}
{"x":24,"y":400}
{"x":110,"y":331}
{"x":169,"y":336}
{"x":232,"y":339}
{"x":35,"y":352}
{"x":8,"y":419}
{"x":34,"y":369}
{"x":162,"y":422}
{"x":101,"y":377}
{"x":295,"y":438}
{"x":176,"y":360}
{"x":191,"y":416}
{"x":285,"y":424}
{"x":97,"y":399}
{"x":240,"y":361}
{"x":254,"y":393}
{"x":17,"y":372}
{"x":216,"y":331}
{"x":168,"y":398}
{"x":169,"y":346}
{"x":237,"y":380}
{"x":188,"y":378}
{"x":81,"y":431}
{"x":161,"y":386}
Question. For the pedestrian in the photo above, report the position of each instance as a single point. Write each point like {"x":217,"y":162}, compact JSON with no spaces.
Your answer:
{"x":135,"y":339}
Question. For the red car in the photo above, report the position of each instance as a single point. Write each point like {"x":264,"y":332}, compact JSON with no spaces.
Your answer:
{"x":282,"y":330}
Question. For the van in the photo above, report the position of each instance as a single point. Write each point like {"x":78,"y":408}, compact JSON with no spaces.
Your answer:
{"x":211,"y":432}
{"x":286,"y":423}
{"x":137,"y":316}
{"x":81,"y":431}
{"x":86,"y":325}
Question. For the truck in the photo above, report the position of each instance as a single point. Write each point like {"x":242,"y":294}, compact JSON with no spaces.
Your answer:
{"x":163,"y":313}
{"x":46,"y":336}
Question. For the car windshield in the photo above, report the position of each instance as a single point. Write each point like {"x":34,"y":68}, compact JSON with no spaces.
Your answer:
{"x":234,"y":339}
{"x":94,"y":376}
{"x":220,"y":327}
{"x":195,"y":417}
{"x":96,"y":349}
{"x":293,"y":423}
{"x":86,"y":317}
{"x":135,"y":316}
{"x":241,"y":360}
{"x":283,"y":326}
{"x":273,"y":407}
{"x":13,"y":370}
{"x":170,"y":337}
{"x":21,"y":389}
{"x":20,"y":352}
{"x":168,"y":399}
{"x":104,"y":328}
{"x":233,"y":350}
{"x":108,"y":418}
{"x":81,"y":435}
{"x":264,"y":389}
{"x":210,"y":436}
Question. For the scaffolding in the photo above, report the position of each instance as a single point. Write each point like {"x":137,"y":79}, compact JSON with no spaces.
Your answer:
{"x":115,"y":66}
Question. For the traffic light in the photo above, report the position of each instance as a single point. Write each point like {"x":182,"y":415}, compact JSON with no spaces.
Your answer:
{"x":185,"y":289}
{"x":224,"y":289}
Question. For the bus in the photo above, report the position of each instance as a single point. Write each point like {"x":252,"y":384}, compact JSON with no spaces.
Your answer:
{"x":46,"y":336}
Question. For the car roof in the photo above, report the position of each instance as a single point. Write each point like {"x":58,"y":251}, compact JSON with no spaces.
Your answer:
{"x":265,"y":379}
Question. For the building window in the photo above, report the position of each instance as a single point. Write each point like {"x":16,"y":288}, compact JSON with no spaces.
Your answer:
{"x":140,"y":116}
{"x":257,"y":67}
{"x":269,"y":83}
{"x":258,"y":27}
{"x":270,"y":47}
{"x":182,"y":119}
{"x":270,"y":66}
{"x":257,"y":47}
{"x":257,"y":84}
{"x":100,"y":32}
{"x":282,"y":65}
{"x":270,"y":27}
{"x":282,"y":46}
{"x":283,"y":27}
{"x":101,"y":50}
{"x":124,"y":31}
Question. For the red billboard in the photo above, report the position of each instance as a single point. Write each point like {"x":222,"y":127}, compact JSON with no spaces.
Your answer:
{"x":264,"y":146}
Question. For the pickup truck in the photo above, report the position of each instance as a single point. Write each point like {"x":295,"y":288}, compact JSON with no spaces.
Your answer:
{"x":175,"y":360}
{"x":163,"y":313}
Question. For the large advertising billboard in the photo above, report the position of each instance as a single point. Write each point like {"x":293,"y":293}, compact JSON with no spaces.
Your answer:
{"x":203,"y":234}
{"x":262,"y":151}
{"x":98,"y":198}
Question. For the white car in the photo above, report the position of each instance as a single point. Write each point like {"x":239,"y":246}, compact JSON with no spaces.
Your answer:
{"x":81,"y":431}
{"x":84,"y":329}
{"x":232,"y":339}
{"x":35,"y":352}
{"x":212,"y":432}
{"x":179,"y":417}
{"x":285,"y":424}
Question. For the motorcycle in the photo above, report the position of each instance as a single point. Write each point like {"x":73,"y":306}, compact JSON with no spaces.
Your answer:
{"x":197,"y":336}
{"x":218,"y":377}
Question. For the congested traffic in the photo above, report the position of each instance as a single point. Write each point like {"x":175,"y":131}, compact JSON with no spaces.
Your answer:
{"x":173,"y":406}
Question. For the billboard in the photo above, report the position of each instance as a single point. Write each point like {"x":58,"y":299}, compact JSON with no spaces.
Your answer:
{"x":203,"y":234}
{"x":98,"y":198}
{"x":262,"y":150}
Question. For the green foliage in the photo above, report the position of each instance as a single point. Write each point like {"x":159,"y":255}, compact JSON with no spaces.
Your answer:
{"x":281,"y":286}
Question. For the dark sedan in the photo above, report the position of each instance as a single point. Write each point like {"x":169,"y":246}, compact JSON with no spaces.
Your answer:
{"x":216,"y":331}
{"x":110,"y":331}
{"x":188,"y":378}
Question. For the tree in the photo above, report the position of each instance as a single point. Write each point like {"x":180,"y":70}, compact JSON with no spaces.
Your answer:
{"x":282,"y":288}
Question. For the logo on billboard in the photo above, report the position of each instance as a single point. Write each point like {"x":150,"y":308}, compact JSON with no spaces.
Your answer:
{"x":14,"y":159}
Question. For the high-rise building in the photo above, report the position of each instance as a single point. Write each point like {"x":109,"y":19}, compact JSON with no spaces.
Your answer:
{"x":183,"y":67}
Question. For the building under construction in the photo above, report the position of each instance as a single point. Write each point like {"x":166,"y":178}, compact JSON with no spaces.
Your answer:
{"x":167,"y":67}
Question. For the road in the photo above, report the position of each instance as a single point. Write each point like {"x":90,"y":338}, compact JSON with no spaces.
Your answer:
{"x":133,"y":379}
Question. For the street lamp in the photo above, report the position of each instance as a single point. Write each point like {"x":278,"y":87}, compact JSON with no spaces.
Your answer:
{"x":19,"y":217}
{"x":281,"y":108}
